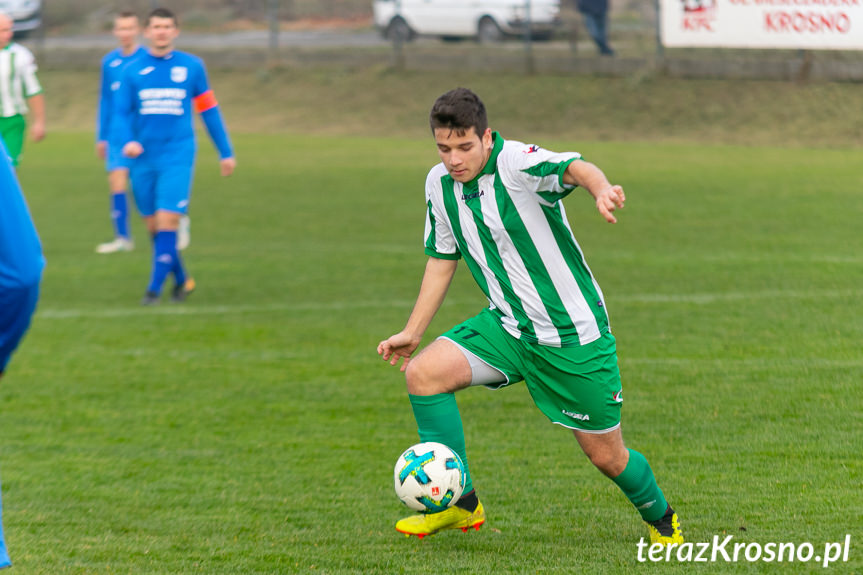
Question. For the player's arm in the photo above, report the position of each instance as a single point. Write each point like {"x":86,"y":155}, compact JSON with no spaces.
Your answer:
{"x":435,"y":284}
{"x":35,"y":99}
{"x":205,"y":103}
{"x":122,"y":117}
{"x":103,"y":115}
{"x":36,"y":103}
{"x":588,"y":176}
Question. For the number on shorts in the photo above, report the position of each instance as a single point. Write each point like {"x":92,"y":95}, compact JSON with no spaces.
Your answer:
{"x":472,"y":332}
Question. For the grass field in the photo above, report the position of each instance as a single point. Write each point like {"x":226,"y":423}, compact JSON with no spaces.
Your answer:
{"x":254,"y":429}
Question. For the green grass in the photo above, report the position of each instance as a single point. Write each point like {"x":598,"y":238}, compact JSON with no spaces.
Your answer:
{"x":371,"y":100}
{"x":254,"y":429}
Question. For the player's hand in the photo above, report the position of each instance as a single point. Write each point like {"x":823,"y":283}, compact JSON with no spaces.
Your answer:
{"x":101,"y":150}
{"x":608,"y":200}
{"x":37,"y":131}
{"x":133,"y":149}
{"x":227,"y":166}
{"x":398,"y":346}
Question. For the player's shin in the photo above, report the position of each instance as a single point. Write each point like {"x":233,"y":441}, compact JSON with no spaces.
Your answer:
{"x":179,"y":269}
{"x":164,"y":259}
{"x":120,"y":214}
{"x":438,"y":419}
{"x":639,"y":485}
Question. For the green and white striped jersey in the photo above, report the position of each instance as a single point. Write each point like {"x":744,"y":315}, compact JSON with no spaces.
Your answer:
{"x":510,"y":226}
{"x":17,"y":79}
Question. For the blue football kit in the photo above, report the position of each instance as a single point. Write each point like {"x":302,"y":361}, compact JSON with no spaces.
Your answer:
{"x":21,"y":264}
{"x":155,"y":107}
{"x":113,"y":65}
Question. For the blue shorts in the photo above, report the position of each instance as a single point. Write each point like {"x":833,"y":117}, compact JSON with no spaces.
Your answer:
{"x":161,"y":188}
{"x":16,"y":308}
{"x":116,"y":160}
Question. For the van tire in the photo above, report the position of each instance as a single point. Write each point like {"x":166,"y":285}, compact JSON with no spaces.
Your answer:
{"x":487,"y":31}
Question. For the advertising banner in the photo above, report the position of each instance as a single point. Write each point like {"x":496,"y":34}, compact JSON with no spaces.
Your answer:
{"x":790,"y":24}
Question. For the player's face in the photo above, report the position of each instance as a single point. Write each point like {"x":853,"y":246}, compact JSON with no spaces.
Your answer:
{"x":5,"y":31}
{"x":126,"y":31}
{"x":161,"y":32}
{"x":463,"y":155}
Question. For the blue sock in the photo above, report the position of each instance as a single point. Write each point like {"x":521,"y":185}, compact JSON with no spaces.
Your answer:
{"x":4,"y":555}
{"x":120,"y":214}
{"x":164,"y":258}
{"x":178,"y":270}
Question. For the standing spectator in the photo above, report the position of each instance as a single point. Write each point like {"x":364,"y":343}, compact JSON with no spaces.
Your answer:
{"x":596,"y":20}
{"x":18,"y":88}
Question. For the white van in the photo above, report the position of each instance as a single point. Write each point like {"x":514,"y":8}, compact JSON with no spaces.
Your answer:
{"x":487,"y":20}
{"x":26,"y":15}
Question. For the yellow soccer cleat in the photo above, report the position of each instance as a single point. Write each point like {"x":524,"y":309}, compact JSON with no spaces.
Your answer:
{"x":181,"y":292}
{"x":431,"y":523}
{"x":666,"y":531}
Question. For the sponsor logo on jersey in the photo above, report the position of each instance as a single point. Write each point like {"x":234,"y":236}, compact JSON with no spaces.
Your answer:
{"x":466,"y":197}
{"x":162,"y":101}
{"x":179,"y":74}
{"x":578,"y":416}
{"x":531,"y":149}
{"x":145,"y":71}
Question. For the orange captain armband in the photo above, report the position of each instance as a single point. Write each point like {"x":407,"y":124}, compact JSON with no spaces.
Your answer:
{"x":205,"y":101}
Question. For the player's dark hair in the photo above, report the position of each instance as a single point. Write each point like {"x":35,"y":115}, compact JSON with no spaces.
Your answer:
{"x":459,"y":110}
{"x":125,"y":14}
{"x":162,"y":13}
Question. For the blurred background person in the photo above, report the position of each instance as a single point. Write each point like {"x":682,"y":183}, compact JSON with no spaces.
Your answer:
{"x":20,"y":93}
{"x":595,"y":14}
{"x":126,"y":31}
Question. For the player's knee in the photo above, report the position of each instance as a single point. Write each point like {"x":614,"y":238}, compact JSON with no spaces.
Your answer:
{"x":608,"y":461}
{"x":421,"y":379}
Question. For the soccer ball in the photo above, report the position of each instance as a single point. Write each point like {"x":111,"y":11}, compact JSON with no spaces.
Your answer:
{"x":429,"y":477}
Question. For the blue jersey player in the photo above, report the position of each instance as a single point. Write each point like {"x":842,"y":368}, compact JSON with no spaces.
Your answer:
{"x":154,"y":107}
{"x":126,"y":31}
{"x":21,"y":264}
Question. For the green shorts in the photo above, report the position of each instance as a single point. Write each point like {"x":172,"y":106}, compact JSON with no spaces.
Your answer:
{"x":12,"y":131}
{"x":577,"y":387}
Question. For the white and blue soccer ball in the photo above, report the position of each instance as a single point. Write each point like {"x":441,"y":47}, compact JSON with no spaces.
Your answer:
{"x":429,"y":477}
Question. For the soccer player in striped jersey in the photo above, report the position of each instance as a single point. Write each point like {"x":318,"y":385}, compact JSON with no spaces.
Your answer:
{"x":154,"y":120}
{"x":126,"y":31}
{"x":497,"y":204}
{"x":21,"y":264}
{"x":20,"y":93}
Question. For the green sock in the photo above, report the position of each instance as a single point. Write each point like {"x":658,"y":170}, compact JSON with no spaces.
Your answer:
{"x":438,"y":420}
{"x":639,"y":485}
